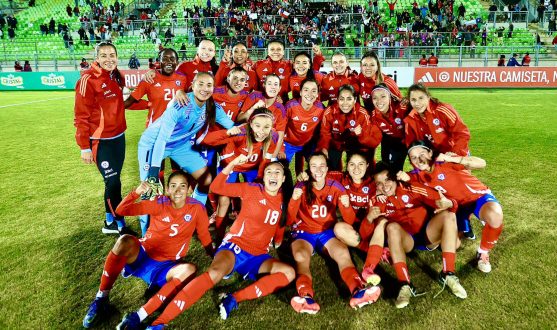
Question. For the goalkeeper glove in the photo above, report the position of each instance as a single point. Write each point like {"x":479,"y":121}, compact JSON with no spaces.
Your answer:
{"x":156,"y":186}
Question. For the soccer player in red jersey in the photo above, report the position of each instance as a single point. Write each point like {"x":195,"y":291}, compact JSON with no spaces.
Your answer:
{"x":303,"y":69}
{"x":256,"y":140}
{"x":155,"y":257}
{"x":437,"y":122}
{"x":312,"y":214}
{"x":267,"y":99}
{"x":232,"y":95}
{"x":451,"y":176}
{"x":238,"y":57}
{"x":303,"y":116}
{"x":245,"y":247}
{"x":370,"y":76}
{"x":388,"y":114}
{"x":342,"y":75}
{"x":346,"y":126}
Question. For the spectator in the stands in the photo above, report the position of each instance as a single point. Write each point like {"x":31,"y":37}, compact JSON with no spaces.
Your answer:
{"x":51,"y":26}
{"x":183,"y":52}
{"x":11,"y":33}
{"x":27,"y":67}
{"x":18,"y":67}
{"x":492,"y":10}
{"x":511,"y":29}
{"x":133,"y":63}
{"x":501,"y":61}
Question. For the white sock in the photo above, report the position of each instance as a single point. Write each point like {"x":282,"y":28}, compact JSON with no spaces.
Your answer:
{"x":482,"y":251}
{"x":142,"y":314}
{"x":102,"y":294}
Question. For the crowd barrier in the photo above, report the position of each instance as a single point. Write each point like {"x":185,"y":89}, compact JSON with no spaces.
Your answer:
{"x":471,"y":77}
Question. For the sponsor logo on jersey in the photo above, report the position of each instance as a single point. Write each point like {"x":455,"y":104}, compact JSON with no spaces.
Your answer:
{"x":439,"y":130}
{"x":103,"y":85}
{"x":365,"y":190}
{"x":405,"y":198}
{"x":296,"y":118}
{"x":398,"y":121}
{"x":203,"y":116}
{"x":352,"y":123}
{"x":441,"y":177}
{"x":281,"y":70}
{"x":390,"y":204}
{"x":315,"y":119}
{"x":330,"y":198}
{"x":332,"y":88}
{"x":105,"y":164}
{"x":157,"y":85}
{"x":263,"y":201}
{"x":178,"y":83}
{"x":265,"y":70}
{"x":187,"y":217}
{"x":409,"y":205}
{"x":436,"y":122}
{"x":166,"y":219}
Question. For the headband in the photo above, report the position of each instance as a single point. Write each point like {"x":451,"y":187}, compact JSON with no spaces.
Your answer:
{"x":381,"y":88}
{"x":263,"y":114}
{"x":416,"y":146}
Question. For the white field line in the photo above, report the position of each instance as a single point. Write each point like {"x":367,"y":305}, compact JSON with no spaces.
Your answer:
{"x":58,"y":98}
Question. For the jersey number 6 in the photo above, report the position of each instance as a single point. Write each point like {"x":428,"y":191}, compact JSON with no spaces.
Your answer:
{"x":272,"y":217}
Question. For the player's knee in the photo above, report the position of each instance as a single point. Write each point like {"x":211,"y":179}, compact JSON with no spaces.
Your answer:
{"x":113,"y":183}
{"x":393,"y":230}
{"x":185,"y":272}
{"x":301,"y":256}
{"x":207,"y":179}
{"x":340,"y":253}
{"x":495,"y":218}
{"x":289,"y":272}
{"x":449,"y":219}
{"x":124,"y":244}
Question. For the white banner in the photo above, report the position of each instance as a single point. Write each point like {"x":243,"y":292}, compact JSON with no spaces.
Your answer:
{"x":403,"y":76}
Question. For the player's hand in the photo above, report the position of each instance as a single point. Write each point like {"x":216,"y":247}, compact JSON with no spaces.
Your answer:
{"x":302,"y":177}
{"x":443,"y":203}
{"x":326,"y":152}
{"x":374,"y":213}
{"x":143,"y":188}
{"x":87,"y":157}
{"x":297,"y":193}
{"x":404,"y":101}
{"x":382,"y":198}
{"x":345,"y":200}
{"x":240,"y":160}
{"x":450,"y":154}
{"x":317,"y":51}
{"x":358,"y":130}
{"x":182,"y":98}
{"x":443,"y":157}
{"x":402,"y":176}
{"x":150,"y":76}
{"x":235,"y":130}
{"x":281,"y":155}
{"x":227,"y":56}
{"x":156,"y":188}
{"x":259,"y":104}
{"x":279,"y":100}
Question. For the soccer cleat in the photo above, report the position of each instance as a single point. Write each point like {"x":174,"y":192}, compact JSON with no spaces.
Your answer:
{"x":365,"y":296}
{"x":404,"y":294}
{"x":127,"y":231}
{"x":470,"y":233}
{"x":130,"y":321}
{"x":226,"y":306}
{"x":483,"y":262}
{"x":95,"y":312}
{"x":304,"y":305}
{"x":110,"y":229}
{"x":370,"y":277}
{"x":156,"y":327}
{"x":449,"y":279}
{"x":386,"y":256}
{"x":213,"y":219}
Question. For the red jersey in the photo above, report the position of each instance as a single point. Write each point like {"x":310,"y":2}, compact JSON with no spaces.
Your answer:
{"x":367,"y":84}
{"x":160,"y":92}
{"x":170,"y":231}
{"x":258,"y":221}
{"x":191,"y":68}
{"x":359,"y":193}
{"x":337,"y":130}
{"x":230,"y":105}
{"x":432,"y":61}
{"x":224,"y":70}
{"x":393,"y":123}
{"x":423,"y":62}
{"x":526,"y":60}
{"x":295,"y":83}
{"x":279,"y":111}
{"x":332,"y":82}
{"x":99,"y":107}
{"x":453,"y":180}
{"x":408,"y":206}
{"x":442,"y":126}
{"x":238,"y":145}
{"x":320,"y":215}
{"x":301,"y":123}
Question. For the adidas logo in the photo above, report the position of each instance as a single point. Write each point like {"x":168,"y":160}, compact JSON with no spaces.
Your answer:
{"x":382,"y":124}
{"x":332,"y":88}
{"x":245,"y":149}
{"x":167,"y":219}
{"x":103,"y":86}
{"x":105,"y":273}
{"x":258,"y":291}
{"x":158,"y":85}
{"x":180,"y":304}
{"x":296,"y":85}
{"x":296,"y":118}
{"x":223,"y":104}
{"x":265,"y":70}
{"x":363,"y":84}
{"x":336,"y":122}
{"x":427,"y":78}
{"x":195,"y":71}
{"x":264,"y":202}
{"x":162,"y":298}
{"x":439,"y":130}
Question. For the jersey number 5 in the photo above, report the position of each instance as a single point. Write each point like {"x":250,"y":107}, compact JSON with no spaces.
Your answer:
{"x":272,"y":217}
{"x":319,"y":212}
{"x":169,"y":94}
{"x":174,"y":229}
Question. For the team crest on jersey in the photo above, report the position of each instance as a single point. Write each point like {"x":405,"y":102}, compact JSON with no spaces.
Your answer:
{"x":436,"y":122}
{"x":398,"y":121}
{"x":441,"y":177}
{"x":146,"y":167}
{"x":240,"y":104}
{"x":178,"y":83}
{"x":105,"y":164}
{"x":281,"y":70}
{"x":203,"y":117}
{"x":187,"y":217}
{"x":315,"y":119}
{"x":330,"y":198}
{"x":192,"y":142}
{"x":352,"y":123}
{"x":365,"y":190}
{"x":405,"y":198}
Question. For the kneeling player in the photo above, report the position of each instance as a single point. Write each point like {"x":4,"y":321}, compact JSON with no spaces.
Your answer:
{"x":244,"y":249}
{"x":154,"y":257}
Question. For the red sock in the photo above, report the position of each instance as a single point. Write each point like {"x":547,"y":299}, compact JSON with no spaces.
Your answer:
{"x":448,"y":262}
{"x":304,"y":285}
{"x":221,"y":224}
{"x":214,"y":200}
{"x":490,"y":236}
{"x":168,"y":290}
{"x":402,"y":272}
{"x":374,"y":254}
{"x":352,"y":278}
{"x":263,"y":287}
{"x":112,"y":268}
{"x":185,"y":298}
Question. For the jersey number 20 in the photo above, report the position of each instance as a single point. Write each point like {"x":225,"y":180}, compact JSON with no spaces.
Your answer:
{"x":319,"y":211}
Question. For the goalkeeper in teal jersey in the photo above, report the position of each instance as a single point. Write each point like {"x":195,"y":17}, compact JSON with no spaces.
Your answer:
{"x":174,"y":134}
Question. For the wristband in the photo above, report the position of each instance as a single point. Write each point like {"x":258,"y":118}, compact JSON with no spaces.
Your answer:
{"x":154,"y":172}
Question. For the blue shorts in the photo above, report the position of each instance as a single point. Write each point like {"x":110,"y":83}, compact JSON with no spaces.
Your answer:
{"x":463,"y":213}
{"x":147,"y":269}
{"x":208,"y":154}
{"x":420,"y":239}
{"x":306,"y":150}
{"x":188,"y":159}
{"x":246,"y":264}
{"x":318,"y":241}
{"x":233,"y":176}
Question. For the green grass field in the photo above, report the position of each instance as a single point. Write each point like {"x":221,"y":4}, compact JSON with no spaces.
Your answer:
{"x":53,"y":251}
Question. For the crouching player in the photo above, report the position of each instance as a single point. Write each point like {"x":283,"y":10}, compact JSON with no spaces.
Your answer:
{"x":154,"y":258}
{"x":244,"y":249}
